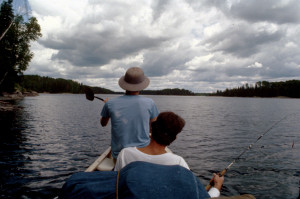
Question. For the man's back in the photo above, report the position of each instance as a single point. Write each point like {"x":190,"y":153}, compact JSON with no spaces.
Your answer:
{"x":130,"y":116}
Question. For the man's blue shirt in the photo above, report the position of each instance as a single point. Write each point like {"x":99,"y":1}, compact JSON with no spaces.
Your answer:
{"x":130,"y":116}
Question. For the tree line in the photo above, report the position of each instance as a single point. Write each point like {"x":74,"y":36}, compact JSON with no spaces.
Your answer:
{"x":168,"y":91}
{"x":58,"y":85}
{"x":55,"y":85}
{"x":290,"y":88}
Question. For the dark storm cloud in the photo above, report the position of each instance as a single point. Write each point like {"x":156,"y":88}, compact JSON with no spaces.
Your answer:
{"x":267,"y":10}
{"x":88,"y":49}
{"x":241,"y":40}
{"x":278,"y":11}
{"x":163,"y":61}
{"x":158,"y":8}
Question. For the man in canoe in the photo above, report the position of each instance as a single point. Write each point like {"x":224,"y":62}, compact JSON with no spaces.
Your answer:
{"x":130,"y":114}
{"x":163,"y":132}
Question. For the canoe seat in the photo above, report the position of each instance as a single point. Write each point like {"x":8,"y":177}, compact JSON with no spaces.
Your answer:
{"x":106,"y":165}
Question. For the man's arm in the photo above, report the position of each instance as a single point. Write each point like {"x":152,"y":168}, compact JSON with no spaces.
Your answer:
{"x":104,"y":121}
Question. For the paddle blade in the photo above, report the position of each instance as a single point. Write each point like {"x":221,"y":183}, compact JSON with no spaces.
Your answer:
{"x":89,"y":93}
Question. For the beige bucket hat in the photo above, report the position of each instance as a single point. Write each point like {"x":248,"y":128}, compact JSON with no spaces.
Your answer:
{"x":134,"y":80}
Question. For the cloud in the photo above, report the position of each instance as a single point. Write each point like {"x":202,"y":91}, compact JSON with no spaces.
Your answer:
{"x":204,"y":45}
{"x":242,"y":41}
{"x":279,"y":12}
{"x":255,"y":65}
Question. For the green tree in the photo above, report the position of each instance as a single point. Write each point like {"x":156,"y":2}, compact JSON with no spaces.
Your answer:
{"x":15,"y":54}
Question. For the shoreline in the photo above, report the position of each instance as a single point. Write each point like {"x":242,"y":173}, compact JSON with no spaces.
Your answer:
{"x":6,"y":100}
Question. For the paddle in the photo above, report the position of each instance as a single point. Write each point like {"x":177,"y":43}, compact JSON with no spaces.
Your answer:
{"x":89,"y":94}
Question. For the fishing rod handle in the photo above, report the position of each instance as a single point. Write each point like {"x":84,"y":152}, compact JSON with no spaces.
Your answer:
{"x":211,"y":182}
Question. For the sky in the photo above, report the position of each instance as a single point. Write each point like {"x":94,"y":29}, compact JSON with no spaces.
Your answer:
{"x":199,"y":45}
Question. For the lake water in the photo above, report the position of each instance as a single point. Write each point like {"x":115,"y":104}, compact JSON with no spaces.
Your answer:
{"x":57,"y":135}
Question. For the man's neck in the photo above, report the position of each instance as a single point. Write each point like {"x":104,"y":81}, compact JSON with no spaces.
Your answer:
{"x":132,"y":92}
{"x":153,"y":148}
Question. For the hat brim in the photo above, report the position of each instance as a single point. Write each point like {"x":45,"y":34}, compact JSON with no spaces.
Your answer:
{"x":133,"y":87}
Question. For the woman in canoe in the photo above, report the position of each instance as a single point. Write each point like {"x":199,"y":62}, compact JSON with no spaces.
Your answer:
{"x":163,"y":132}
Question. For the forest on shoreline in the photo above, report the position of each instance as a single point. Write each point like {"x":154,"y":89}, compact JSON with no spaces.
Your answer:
{"x":58,"y":85}
{"x":40,"y":84}
{"x":290,"y":88}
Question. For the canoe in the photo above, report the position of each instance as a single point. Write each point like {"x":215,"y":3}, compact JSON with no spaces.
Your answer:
{"x":105,"y":161}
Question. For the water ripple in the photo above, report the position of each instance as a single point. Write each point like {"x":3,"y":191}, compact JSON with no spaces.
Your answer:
{"x":55,"y":136}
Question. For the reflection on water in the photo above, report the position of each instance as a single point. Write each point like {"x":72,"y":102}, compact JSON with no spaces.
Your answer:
{"x":54,"y":136}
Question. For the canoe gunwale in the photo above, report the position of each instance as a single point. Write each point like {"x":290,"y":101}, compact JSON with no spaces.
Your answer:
{"x":98,"y":161}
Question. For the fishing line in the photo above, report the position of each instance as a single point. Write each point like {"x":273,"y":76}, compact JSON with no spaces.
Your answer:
{"x":222,"y":173}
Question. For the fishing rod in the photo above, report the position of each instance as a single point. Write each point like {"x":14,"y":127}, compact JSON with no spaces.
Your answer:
{"x":222,"y":173}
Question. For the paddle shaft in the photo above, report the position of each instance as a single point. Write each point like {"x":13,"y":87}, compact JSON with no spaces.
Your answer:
{"x":99,"y":98}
